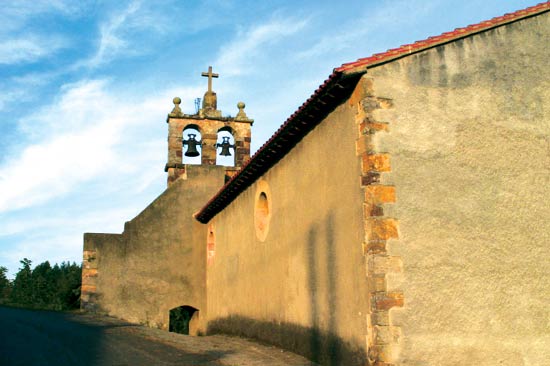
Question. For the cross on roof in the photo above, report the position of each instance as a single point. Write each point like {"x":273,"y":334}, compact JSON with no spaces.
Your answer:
{"x":210,"y":75}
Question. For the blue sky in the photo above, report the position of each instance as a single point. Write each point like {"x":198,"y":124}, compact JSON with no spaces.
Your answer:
{"x":85,"y":88}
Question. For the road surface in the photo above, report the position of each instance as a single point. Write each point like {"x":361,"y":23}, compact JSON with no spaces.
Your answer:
{"x":50,"y":338}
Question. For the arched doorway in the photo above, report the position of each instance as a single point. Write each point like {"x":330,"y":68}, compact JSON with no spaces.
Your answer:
{"x":182,"y":319}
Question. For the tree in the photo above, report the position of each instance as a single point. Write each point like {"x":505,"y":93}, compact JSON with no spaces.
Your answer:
{"x":5,"y":284}
{"x":22,"y":285}
{"x":45,"y":287}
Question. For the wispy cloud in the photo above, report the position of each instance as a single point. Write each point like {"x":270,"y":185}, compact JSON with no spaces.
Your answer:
{"x":111,"y":42}
{"x":30,"y":48}
{"x":238,"y":55}
{"x":95,"y":161}
{"x":88,"y":132}
{"x":51,"y":166}
{"x":120,"y":34}
{"x":14,"y":15}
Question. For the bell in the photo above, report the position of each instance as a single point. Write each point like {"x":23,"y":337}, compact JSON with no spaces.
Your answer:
{"x":192,"y":146}
{"x":225,"y":145}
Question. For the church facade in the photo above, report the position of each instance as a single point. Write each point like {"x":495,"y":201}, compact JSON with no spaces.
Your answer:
{"x":423,"y":239}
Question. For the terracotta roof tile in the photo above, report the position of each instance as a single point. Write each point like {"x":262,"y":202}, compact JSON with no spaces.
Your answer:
{"x":443,"y":38}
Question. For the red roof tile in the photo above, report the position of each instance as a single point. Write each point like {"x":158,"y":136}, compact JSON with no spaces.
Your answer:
{"x":443,"y":38}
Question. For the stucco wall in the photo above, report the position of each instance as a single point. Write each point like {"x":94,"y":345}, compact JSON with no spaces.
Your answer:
{"x":470,"y":152}
{"x":304,"y":287}
{"x":158,"y":263}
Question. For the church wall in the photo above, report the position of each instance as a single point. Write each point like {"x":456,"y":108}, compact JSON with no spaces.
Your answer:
{"x":158,"y":262}
{"x":304,"y":287}
{"x":469,"y":141}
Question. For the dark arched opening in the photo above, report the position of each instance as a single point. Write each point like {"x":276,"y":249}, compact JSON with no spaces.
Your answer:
{"x":181,"y":318}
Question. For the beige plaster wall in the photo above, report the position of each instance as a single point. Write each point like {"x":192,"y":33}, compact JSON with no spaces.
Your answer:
{"x":304,"y":287}
{"x":470,"y":152}
{"x":158,"y":263}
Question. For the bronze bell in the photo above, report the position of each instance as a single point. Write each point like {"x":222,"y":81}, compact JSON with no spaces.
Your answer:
{"x":192,"y":145}
{"x":225,"y":145}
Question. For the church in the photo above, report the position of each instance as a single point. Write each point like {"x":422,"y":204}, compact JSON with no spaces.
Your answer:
{"x":423,"y":239}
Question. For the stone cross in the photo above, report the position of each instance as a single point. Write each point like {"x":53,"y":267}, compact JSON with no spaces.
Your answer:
{"x":210,"y":75}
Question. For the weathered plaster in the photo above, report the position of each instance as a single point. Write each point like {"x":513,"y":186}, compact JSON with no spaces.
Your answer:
{"x":470,"y":150}
{"x":158,"y":262}
{"x":304,"y":286}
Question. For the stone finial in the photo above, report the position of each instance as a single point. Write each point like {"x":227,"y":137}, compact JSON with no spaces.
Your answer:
{"x":210,"y":101}
{"x":241,"y":115}
{"x":176,"y":112}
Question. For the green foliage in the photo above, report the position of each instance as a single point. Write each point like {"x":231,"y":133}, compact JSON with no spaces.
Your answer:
{"x":5,"y":284}
{"x":45,"y":287}
{"x":22,"y":285}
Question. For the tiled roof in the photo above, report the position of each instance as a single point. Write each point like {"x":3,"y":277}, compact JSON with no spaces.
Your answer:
{"x":405,"y":50}
{"x":329,"y":95}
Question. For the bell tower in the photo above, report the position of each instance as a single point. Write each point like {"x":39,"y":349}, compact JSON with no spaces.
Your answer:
{"x":206,"y":138}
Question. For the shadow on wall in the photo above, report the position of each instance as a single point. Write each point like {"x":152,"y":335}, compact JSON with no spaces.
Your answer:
{"x":318,"y":345}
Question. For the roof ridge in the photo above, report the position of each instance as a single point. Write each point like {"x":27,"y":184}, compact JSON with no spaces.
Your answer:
{"x":445,"y":37}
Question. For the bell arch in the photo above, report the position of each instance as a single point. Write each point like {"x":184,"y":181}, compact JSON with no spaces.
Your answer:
{"x":225,"y":147}
{"x":192,"y":144}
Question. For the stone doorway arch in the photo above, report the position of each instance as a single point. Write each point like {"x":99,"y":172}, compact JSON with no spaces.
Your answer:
{"x":184,"y":320}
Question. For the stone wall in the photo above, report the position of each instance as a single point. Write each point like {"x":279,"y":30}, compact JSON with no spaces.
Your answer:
{"x":158,"y":262}
{"x":209,"y":128}
{"x":469,"y":143}
{"x":287,"y":262}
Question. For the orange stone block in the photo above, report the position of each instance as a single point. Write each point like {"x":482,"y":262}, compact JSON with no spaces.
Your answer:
{"x":378,"y":126}
{"x":389,"y":300}
{"x":376,"y":194}
{"x":376,"y":162}
{"x":89,"y":272}
{"x":88,"y":288}
{"x":88,"y":281}
{"x":87,"y":254}
{"x":381,"y":229}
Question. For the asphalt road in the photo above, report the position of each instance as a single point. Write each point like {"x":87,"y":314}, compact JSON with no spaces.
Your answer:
{"x":50,"y":338}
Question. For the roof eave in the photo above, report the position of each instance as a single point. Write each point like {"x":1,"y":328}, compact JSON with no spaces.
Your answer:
{"x":326,"y":98}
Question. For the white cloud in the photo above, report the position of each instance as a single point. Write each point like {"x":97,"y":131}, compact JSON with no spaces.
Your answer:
{"x":238,"y":56}
{"x":121,"y":33}
{"x":52,"y":168}
{"x":78,"y":134}
{"x":95,"y":160}
{"x":57,"y":249}
{"x":110,"y":42}
{"x":30,"y":48}
{"x":87,"y":133}
{"x":15,"y":15}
